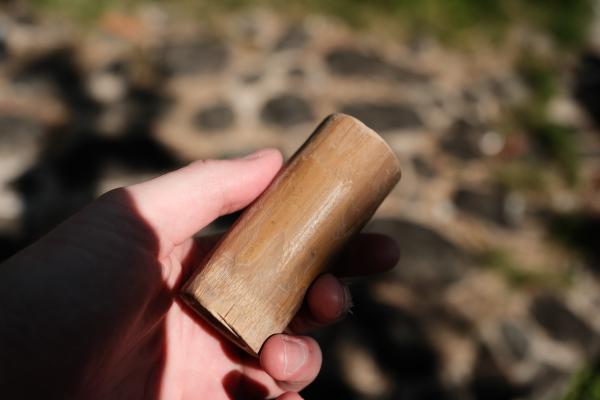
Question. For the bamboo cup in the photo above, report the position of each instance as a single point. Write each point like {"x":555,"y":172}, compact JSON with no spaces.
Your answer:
{"x":253,"y":282}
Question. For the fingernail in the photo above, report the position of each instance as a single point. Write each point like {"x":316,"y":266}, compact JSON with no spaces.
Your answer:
{"x":295,"y":353}
{"x":256,"y":154}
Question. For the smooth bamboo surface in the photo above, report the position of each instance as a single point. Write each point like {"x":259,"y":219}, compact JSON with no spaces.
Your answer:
{"x":254,"y":281}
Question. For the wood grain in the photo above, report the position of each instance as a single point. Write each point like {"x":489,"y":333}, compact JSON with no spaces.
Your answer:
{"x":254,"y":281}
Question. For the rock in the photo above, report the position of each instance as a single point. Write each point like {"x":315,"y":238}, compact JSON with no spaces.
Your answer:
{"x":109,"y":84}
{"x":424,"y":167}
{"x":295,"y":37}
{"x":503,"y":88}
{"x":217,"y":117}
{"x":429,"y":260}
{"x":296,"y":72}
{"x":251,"y":78}
{"x":497,"y":206}
{"x":287,"y":110}
{"x":462,"y":140}
{"x":17,"y":131}
{"x":516,"y":340}
{"x":106,"y":87}
{"x":208,"y":55}
{"x":348,"y":62}
{"x":561,"y":323}
{"x":20,"y":140}
{"x":385,"y":116}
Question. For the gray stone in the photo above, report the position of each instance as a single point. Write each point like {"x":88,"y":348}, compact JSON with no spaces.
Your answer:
{"x":287,"y":110}
{"x":208,"y":55}
{"x":496,"y":205}
{"x":217,"y":117}
{"x":295,"y":37}
{"x":429,"y":260}
{"x":18,"y":134}
{"x":561,"y":323}
{"x":516,"y":340}
{"x":296,"y":72}
{"x":351,"y":63}
{"x":462,"y":140}
{"x":251,"y":78}
{"x":385,"y":116}
{"x":424,"y":167}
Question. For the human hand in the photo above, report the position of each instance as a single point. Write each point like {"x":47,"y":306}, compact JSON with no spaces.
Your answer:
{"x":90,"y":310}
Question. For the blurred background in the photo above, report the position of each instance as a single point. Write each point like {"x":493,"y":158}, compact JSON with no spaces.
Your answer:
{"x":492,"y":106}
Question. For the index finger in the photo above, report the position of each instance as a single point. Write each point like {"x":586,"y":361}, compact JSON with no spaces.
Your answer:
{"x":366,"y":254}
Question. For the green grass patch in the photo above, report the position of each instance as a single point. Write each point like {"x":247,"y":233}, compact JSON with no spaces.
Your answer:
{"x":565,"y":21}
{"x":585,"y":384}
{"x":540,"y":76}
{"x":518,"y":277}
{"x":557,"y":143}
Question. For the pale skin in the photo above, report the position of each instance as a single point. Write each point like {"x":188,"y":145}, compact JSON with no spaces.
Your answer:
{"x":90,"y":311}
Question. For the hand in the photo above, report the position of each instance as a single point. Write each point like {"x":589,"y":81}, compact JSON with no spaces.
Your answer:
{"x":90,"y":310}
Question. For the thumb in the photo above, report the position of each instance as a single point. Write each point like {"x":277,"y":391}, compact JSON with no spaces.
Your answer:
{"x":177,"y":205}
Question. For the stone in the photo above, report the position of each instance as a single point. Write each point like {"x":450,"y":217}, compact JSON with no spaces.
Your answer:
{"x":251,"y":78}
{"x":352,"y":63}
{"x":20,"y":141}
{"x":429,"y":260}
{"x":561,"y":323}
{"x":208,"y":55}
{"x":217,"y":117}
{"x":515,"y":339}
{"x":16,"y":130}
{"x":287,"y":110}
{"x":503,"y":208}
{"x":295,"y":37}
{"x":423,"y":167}
{"x":462,"y":140}
{"x":296,"y":72}
{"x":385,"y":116}
{"x":107,"y":87}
